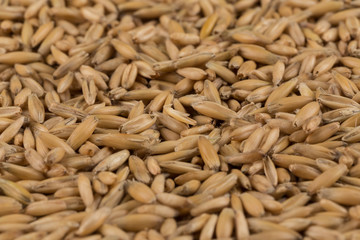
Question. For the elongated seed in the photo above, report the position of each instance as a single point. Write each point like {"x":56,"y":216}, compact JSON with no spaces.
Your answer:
{"x":148,"y":119}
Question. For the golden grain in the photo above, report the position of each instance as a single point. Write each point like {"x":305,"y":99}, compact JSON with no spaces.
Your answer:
{"x":137,"y":222}
{"x":82,"y":132}
{"x":179,"y":120}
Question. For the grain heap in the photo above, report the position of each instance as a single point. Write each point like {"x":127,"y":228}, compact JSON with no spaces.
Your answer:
{"x":179,"y":119}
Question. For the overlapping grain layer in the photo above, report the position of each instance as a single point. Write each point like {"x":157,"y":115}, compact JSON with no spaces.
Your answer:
{"x":179,"y":119}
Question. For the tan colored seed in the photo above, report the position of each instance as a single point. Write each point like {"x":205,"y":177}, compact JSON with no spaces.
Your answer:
{"x":208,"y":25}
{"x":16,"y":191}
{"x":258,"y":54}
{"x":222,"y":71}
{"x":327,"y":178}
{"x":137,"y":222}
{"x":10,"y":132}
{"x":213,"y":110}
{"x":35,"y":160}
{"x":252,"y":205}
{"x":19,"y":57}
{"x":82,"y":132}
{"x":85,"y":190}
{"x":124,"y":49}
{"x":192,"y":73}
{"x":93,"y":221}
{"x":36,"y":108}
{"x":138,"y":168}
{"x":140,"y":192}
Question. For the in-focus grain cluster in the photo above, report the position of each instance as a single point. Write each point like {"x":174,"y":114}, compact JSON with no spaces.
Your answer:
{"x":180,"y":119}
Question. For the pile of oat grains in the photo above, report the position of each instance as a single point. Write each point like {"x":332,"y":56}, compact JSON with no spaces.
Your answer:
{"x":179,"y":119}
